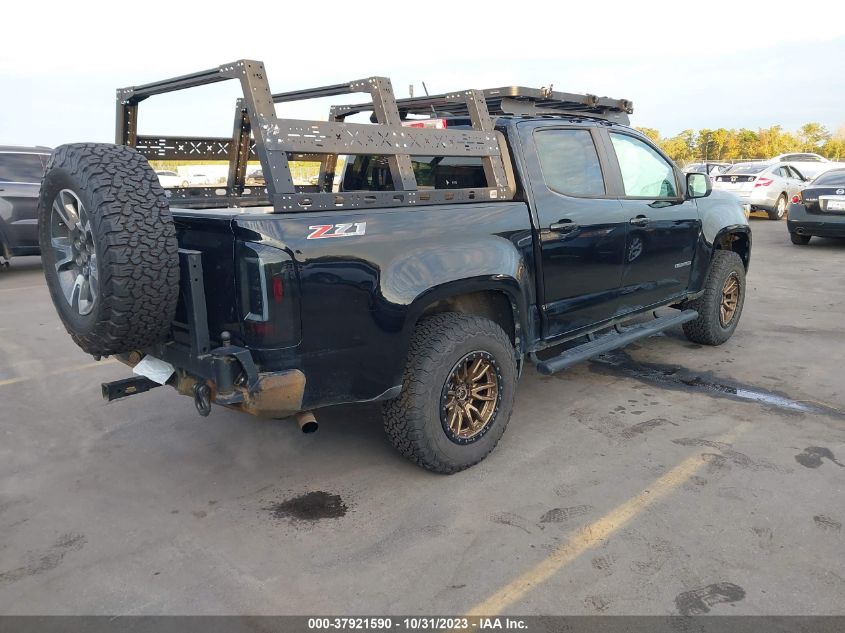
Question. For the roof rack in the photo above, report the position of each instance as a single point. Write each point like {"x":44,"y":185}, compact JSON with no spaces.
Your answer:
{"x":259,"y":133}
{"x":508,"y":100}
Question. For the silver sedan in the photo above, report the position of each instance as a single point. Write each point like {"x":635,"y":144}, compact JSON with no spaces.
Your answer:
{"x":765,"y":186}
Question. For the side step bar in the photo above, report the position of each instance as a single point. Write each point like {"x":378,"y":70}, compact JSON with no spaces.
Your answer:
{"x":609,"y":342}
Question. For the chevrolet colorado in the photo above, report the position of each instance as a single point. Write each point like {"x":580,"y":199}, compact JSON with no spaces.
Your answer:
{"x":447,"y":241}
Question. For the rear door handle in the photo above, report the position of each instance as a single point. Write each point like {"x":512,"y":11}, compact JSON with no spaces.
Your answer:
{"x":566,"y":226}
{"x":640,"y":220}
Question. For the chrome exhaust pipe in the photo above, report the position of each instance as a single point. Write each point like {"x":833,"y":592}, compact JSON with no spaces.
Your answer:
{"x":307,"y":422}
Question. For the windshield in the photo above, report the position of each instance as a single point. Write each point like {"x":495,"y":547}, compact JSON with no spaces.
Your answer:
{"x":801,"y":158}
{"x":747,"y":168}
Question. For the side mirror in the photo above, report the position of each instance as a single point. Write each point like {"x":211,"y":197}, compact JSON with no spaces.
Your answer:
{"x":698,"y":186}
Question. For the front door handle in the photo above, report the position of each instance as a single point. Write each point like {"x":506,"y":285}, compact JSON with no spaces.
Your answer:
{"x":640,"y":220}
{"x":565,"y":226}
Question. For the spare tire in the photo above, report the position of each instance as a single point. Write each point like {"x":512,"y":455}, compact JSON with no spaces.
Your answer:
{"x":108,"y":247}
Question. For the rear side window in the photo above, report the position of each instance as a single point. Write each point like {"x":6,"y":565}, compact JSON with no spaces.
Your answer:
{"x":645,"y":173}
{"x":21,"y":167}
{"x":831,"y":178}
{"x":570,"y":162}
{"x":372,"y":173}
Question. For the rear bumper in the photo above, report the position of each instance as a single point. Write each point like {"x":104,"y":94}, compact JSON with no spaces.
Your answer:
{"x":821,"y":225}
{"x":230,"y":383}
{"x":817,"y":229}
{"x":758,"y":198}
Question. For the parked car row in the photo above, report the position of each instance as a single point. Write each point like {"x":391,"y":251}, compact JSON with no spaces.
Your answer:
{"x":764,"y":186}
{"x":807,"y":189}
{"x":170,"y":179}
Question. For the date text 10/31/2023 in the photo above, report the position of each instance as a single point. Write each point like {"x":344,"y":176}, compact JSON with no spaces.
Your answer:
{"x":418,"y":623}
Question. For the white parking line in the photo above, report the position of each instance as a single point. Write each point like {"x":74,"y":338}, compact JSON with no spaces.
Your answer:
{"x":63,"y":370}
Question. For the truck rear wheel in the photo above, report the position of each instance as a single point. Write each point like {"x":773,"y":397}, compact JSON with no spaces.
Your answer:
{"x":720,"y":306}
{"x":109,"y":247}
{"x":457,"y":393}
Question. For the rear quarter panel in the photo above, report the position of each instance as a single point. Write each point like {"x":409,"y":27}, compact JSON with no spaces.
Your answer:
{"x":361,"y":295}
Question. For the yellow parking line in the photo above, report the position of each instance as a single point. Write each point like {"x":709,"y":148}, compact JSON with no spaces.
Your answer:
{"x":63,"y":370}
{"x":21,"y":288}
{"x":593,"y":534}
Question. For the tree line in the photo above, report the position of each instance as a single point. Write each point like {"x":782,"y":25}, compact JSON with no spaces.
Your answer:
{"x":735,"y":145}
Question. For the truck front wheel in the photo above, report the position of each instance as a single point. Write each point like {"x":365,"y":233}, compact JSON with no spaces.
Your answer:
{"x":457,"y":393}
{"x":720,"y":305}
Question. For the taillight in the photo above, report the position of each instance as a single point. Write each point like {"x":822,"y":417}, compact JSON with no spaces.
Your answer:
{"x":796,"y":199}
{"x":278,"y":288}
{"x":438,"y":124}
{"x":269,"y":304}
{"x":763,"y":182}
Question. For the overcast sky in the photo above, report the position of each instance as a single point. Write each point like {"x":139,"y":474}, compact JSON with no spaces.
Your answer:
{"x":684,"y":65}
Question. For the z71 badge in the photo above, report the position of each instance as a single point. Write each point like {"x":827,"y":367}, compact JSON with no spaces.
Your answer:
{"x":350,"y":229}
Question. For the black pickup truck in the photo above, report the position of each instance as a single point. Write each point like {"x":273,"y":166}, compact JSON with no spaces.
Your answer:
{"x":447,"y":240}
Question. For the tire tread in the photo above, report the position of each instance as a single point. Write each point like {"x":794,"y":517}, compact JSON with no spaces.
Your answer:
{"x":137,"y":249}
{"x":405,"y":416}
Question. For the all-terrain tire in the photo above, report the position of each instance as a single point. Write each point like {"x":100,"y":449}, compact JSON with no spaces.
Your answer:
{"x":779,"y":212}
{"x":708,"y":328}
{"x":414,"y":421}
{"x":132,"y":241}
{"x":798,"y":239}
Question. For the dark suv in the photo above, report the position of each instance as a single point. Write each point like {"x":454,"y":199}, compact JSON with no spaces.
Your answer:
{"x":21,"y":169}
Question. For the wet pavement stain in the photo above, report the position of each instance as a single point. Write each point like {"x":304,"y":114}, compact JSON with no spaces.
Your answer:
{"x":827,"y":524}
{"x":511,"y":519}
{"x":559,"y":515}
{"x":680,"y":378}
{"x":311,"y":506}
{"x":812,"y":456}
{"x":698,"y":601}
{"x":641,"y":427}
{"x":47,"y":560}
{"x":728,"y":453}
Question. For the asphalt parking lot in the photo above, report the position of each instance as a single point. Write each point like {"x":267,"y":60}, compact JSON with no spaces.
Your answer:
{"x":671,"y":478}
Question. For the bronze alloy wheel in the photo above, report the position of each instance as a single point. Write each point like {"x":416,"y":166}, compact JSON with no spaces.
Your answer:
{"x":470,"y":398}
{"x":730,"y":300}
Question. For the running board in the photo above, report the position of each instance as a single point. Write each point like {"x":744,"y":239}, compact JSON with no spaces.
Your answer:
{"x":610,"y":342}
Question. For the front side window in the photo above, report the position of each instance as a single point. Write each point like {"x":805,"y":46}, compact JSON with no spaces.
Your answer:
{"x":569,"y":162}
{"x":20,"y":167}
{"x":645,"y":173}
